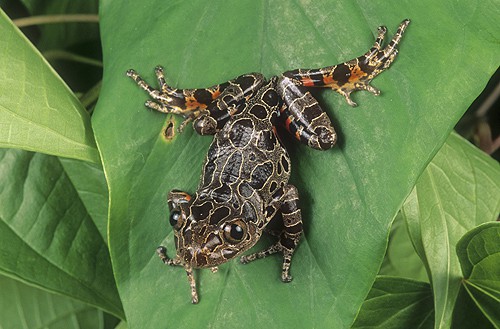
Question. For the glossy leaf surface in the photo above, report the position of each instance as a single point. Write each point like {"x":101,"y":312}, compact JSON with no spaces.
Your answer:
{"x":48,"y":237}
{"x":397,"y":303}
{"x":23,"y":306}
{"x":459,"y":190}
{"x":38,"y":112}
{"x":349,"y":195}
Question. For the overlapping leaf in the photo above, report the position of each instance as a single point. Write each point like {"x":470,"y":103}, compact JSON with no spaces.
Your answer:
{"x":479,"y":255}
{"x":38,"y":112}
{"x":349,"y":195}
{"x":397,"y":303}
{"x":22,"y":306}
{"x":459,"y":190}
{"x":48,"y":237}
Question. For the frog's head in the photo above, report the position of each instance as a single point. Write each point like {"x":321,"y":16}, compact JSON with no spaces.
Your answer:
{"x":209,"y":231}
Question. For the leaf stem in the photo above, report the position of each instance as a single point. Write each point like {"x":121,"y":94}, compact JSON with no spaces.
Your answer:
{"x":52,"y":19}
{"x":66,"y":55}
{"x":91,"y":96}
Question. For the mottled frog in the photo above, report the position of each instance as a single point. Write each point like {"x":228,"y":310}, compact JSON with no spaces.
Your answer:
{"x":244,"y":182}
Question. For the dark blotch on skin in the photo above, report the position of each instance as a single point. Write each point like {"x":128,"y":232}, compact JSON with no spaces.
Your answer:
{"x":208,"y":172}
{"x":288,"y":207}
{"x":241,"y":132}
{"x":341,"y":74}
{"x":271,"y":97}
{"x":248,"y":212}
{"x":222,"y":194}
{"x":267,"y":141}
{"x":203,"y":96}
{"x":245,"y":190}
{"x":285,"y":164}
{"x":201,"y":212}
{"x":231,"y":171}
{"x":260,"y":174}
{"x":219,"y":214}
{"x":273,"y":186}
{"x":258,"y":111}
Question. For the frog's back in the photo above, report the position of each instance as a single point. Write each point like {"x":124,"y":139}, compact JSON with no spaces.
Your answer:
{"x":246,"y":155}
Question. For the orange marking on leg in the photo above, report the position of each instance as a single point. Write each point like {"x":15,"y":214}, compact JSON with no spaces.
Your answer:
{"x":287,"y":123}
{"x":308,"y":82}
{"x":215,"y":93}
{"x":356,"y":74}
{"x":193,"y":104}
{"x":328,"y":80}
{"x":187,"y":197}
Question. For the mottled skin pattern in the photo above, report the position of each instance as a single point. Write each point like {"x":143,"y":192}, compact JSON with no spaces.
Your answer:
{"x":244,"y":182}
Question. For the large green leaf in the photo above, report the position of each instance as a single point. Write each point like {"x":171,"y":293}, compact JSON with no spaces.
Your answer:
{"x":397,"y":303}
{"x":48,"y":237}
{"x":38,"y":112}
{"x":479,"y":255}
{"x":459,"y":190}
{"x":349,"y":195}
{"x":22,"y":306}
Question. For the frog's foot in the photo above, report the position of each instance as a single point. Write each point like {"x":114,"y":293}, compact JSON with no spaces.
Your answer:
{"x":162,"y":252}
{"x":362,"y":70}
{"x":287,"y":258}
{"x":167,"y":99}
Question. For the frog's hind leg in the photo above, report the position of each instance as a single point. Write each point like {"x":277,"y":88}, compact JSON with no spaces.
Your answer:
{"x":303,"y":117}
{"x":355,"y":74}
{"x":289,"y":237}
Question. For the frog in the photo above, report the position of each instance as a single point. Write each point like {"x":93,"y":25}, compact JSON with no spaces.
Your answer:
{"x":244,"y":184}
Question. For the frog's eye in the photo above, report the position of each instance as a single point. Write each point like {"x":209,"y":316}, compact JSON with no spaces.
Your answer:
{"x":235,"y":231}
{"x":176,"y":218}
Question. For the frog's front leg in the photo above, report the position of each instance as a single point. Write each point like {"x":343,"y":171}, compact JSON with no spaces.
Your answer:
{"x":289,"y":237}
{"x":210,"y":108}
{"x":162,"y":252}
{"x":188,"y":103}
{"x":355,"y":74}
{"x":177,"y":203}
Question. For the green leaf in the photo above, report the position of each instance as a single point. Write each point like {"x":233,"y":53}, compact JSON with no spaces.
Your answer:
{"x":401,"y":260}
{"x":466,"y":314}
{"x":48,"y":238}
{"x":90,"y":184}
{"x":23,"y":306}
{"x":349,"y":195}
{"x":397,"y":303}
{"x":479,"y":255}
{"x":38,"y":112}
{"x":458,"y":190}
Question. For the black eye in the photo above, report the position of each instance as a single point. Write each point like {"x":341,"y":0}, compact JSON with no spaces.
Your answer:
{"x":235,"y":232}
{"x":175,"y":218}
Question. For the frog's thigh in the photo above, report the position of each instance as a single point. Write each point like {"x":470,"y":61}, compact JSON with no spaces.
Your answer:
{"x":289,"y":237}
{"x":303,"y":117}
